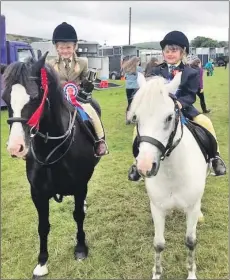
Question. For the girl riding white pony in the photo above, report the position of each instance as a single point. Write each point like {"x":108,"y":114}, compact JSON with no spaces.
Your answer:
{"x":175,"y":47}
{"x":169,"y":157}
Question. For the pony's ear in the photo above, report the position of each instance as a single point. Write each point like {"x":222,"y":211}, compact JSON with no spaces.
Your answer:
{"x":174,"y":84}
{"x":37,"y":66}
{"x":140,"y":79}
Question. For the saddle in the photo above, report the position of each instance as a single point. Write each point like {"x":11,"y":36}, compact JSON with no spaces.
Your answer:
{"x":87,"y":125}
{"x":204,"y":138}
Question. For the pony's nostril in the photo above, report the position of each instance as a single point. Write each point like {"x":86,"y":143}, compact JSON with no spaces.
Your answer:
{"x":154,"y":166}
{"x":21,"y":148}
{"x":148,"y":173}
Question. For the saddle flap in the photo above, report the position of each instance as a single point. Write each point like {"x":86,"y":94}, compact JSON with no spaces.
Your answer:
{"x":204,"y":138}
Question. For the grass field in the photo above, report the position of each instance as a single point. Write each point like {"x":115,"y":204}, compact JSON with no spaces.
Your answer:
{"x":118,"y":224}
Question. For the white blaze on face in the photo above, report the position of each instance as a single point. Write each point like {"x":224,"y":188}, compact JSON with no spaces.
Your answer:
{"x":19,"y":98}
{"x":146,"y":157}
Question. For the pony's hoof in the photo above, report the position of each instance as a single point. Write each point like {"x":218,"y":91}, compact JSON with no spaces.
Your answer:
{"x":36,"y":277}
{"x":192,"y":277}
{"x":156,"y":276}
{"x":81,"y":253}
{"x":40,"y":271}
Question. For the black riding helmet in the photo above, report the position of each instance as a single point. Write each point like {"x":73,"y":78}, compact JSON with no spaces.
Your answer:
{"x":175,"y":38}
{"x":64,"y":33}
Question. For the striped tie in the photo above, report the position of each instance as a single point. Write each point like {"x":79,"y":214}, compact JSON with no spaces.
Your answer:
{"x":67,"y":62}
{"x":171,"y":68}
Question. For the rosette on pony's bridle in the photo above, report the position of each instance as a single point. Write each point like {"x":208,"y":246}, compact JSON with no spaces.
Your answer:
{"x":35,"y":118}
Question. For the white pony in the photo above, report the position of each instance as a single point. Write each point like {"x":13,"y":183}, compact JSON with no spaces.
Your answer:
{"x":179,"y":180}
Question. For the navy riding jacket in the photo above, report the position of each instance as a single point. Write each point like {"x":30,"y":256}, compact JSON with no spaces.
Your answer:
{"x":186,"y":93}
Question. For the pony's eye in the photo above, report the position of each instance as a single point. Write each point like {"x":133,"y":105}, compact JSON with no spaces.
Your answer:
{"x":169,"y":118}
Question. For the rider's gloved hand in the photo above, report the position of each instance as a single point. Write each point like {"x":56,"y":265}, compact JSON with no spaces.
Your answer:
{"x":87,"y":86}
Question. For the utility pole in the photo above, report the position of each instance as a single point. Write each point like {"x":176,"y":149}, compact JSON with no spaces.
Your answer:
{"x":130,"y":15}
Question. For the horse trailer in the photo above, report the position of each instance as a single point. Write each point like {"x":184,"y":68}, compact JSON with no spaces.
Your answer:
{"x":86,"y":49}
{"x":116,"y":54}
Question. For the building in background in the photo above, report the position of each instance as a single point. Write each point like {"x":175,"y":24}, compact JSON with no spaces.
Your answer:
{"x":87,"y":49}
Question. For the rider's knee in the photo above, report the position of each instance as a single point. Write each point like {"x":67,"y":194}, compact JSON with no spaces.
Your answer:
{"x":203,"y":120}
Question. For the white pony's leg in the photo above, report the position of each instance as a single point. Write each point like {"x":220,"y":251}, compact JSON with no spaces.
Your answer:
{"x":192,"y":219}
{"x":159,"y":241}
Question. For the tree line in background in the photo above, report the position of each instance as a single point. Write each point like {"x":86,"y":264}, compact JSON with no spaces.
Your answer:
{"x":198,"y":42}
{"x":205,"y":42}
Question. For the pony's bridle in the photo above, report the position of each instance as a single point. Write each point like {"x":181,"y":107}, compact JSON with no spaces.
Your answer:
{"x":171,"y":145}
{"x":34,"y":131}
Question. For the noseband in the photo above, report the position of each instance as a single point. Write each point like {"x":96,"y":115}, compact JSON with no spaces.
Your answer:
{"x":165,"y":151}
{"x":12,"y":120}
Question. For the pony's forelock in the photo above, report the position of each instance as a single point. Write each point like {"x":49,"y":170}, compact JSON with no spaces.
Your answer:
{"x":148,"y":96}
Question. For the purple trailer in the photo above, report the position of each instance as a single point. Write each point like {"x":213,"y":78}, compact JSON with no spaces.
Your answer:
{"x":12,"y":51}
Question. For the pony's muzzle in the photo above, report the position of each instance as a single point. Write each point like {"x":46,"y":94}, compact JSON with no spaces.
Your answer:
{"x":152,"y":172}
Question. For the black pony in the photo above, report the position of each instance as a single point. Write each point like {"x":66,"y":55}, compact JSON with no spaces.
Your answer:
{"x":60,"y":159}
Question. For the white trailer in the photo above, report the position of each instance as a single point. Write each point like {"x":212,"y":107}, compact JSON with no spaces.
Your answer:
{"x":86,"y":50}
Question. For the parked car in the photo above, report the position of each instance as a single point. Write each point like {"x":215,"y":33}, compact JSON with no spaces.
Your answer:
{"x":220,"y":61}
{"x":115,"y":75}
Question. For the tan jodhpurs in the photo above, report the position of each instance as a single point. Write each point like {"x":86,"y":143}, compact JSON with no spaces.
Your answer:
{"x":95,"y":119}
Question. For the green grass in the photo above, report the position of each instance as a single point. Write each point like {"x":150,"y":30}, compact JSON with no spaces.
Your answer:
{"x":118,"y":224}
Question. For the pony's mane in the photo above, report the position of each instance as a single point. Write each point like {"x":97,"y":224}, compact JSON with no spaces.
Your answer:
{"x":55,"y":86}
{"x":20,"y":73}
{"x":17,"y":73}
{"x":151,"y":94}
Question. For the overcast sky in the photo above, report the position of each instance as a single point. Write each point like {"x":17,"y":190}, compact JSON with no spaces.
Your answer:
{"x":100,"y":21}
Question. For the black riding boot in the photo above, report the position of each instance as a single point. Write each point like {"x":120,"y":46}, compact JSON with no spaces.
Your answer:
{"x":133,"y":174}
{"x":204,"y":108}
{"x":202,"y":103}
{"x":218,"y":166}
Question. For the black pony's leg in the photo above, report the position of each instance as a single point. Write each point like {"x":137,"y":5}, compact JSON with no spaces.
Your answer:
{"x":42,"y":205}
{"x":81,"y":249}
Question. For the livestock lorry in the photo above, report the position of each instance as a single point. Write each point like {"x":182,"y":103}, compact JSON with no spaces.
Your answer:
{"x":11,"y":51}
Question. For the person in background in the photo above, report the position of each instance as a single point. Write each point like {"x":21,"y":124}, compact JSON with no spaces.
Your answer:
{"x":149,"y":67}
{"x":131,"y":69}
{"x":209,"y":67}
{"x":74,"y":69}
{"x":139,"y":67}
{"x":124,"y":59}
{"x":195,"y":63}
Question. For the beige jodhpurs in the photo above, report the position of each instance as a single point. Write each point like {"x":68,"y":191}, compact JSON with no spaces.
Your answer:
{"x":95,"y":119}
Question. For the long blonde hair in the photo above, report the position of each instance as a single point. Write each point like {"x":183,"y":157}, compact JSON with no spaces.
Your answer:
{"x":130,"y":66}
